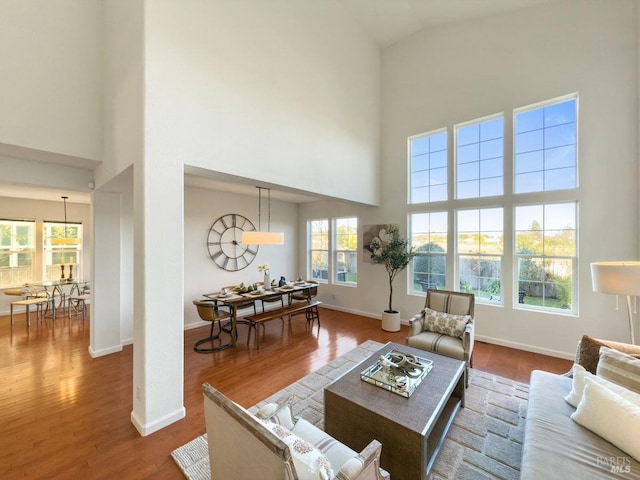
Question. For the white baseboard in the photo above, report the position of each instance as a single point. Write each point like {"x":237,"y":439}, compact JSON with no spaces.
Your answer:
{"x":149,"y":428}
{"x":104,"y":351}
{"x":526,"y":348}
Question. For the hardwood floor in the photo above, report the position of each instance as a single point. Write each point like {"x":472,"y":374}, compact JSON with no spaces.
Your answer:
{"x":66,"y":415}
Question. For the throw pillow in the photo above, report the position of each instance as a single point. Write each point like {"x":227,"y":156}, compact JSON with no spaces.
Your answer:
{"x":589,"y":353}
{"x":595,"y":413}
{"x":619,"y":368}
{"x":445,"y":323}
{"x":310,"y":463}
{"x":577,"y":390}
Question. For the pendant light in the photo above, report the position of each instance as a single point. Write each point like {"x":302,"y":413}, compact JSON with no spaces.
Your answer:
{"x":64,"y":240}
{"x":260,"y":237}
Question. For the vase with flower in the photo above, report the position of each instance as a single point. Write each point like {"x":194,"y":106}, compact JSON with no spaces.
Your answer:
{"x":264,"y":268}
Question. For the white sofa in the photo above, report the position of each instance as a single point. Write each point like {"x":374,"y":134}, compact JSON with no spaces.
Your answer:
{"x":243,"y":446}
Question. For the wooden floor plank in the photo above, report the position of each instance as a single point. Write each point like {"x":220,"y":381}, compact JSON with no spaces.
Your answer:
{"x":65,"y":415}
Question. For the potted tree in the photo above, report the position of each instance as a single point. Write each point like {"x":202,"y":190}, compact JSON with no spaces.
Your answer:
{"x":394,"y":252}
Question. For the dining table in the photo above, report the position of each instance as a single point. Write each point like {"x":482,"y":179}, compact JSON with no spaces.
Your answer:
{"x":54,"y":289}
{"x":233,"y":299}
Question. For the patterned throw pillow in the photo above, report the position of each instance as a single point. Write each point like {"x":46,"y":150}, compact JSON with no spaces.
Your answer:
{"x":445,"y":323}
{"x":619,"y":368}
{"x":310,"y":463}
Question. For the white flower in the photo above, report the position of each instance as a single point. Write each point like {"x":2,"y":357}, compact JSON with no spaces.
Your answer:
{"x":263,"y":267}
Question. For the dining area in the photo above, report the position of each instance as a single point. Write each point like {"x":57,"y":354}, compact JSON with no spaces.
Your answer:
{"x":253,"y":305}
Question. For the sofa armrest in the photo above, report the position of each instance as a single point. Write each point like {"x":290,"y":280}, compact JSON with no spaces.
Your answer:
{"x":416,"y":324}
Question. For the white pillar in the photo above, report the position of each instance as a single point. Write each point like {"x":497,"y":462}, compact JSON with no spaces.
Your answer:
{"x":158,"y":295}
{"x":105,"y":335}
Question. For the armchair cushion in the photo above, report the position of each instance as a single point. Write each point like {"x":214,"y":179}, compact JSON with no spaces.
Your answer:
{"x":446,"y":323}
{"x":310,"y":463}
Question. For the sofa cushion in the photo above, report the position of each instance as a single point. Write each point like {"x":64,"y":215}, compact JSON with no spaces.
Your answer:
{"x":619,"y":368}
{"x":310,"y":463}
{"x":611,"y":416}
{"x":446,"y":323}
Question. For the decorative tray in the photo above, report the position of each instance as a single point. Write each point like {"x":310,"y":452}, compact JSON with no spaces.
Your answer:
{"x":398,"y":372}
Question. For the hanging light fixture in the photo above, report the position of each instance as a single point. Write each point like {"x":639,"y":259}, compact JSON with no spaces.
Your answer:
{"x":64,"y":240}
{"x":259,"y":237}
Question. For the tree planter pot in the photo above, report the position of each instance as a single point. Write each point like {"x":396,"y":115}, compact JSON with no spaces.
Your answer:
{"x":391,"y":321}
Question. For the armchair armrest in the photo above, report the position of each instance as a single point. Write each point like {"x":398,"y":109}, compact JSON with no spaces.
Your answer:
{"x":365,"y":465}
{"x":467,"y":337}
{"x":416,"y":324}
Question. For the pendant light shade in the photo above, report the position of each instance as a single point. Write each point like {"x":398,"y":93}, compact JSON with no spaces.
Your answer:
{"x":261,"y":237}
{"x":64,"y":240}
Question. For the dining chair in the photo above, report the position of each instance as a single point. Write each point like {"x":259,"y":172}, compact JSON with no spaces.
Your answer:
{"x":210,"y":311}
{"x":308,"y":293}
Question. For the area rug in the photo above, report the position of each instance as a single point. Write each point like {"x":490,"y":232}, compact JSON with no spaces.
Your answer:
{"x":484,"y":442}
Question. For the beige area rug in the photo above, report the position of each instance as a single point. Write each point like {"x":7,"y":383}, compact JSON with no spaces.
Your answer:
{"x":484,"y":442}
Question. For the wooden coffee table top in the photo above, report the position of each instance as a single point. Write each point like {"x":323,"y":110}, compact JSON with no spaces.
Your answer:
{"x":428,"y":399}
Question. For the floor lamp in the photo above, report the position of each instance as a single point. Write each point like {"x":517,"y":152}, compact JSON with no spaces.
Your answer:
{"x":618,"y":278}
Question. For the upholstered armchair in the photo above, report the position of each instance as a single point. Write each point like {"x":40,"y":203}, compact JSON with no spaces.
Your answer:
{"x":445,"y":326}
{"x":273,"y":445}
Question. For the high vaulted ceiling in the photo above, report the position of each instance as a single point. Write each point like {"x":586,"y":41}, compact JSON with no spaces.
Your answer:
{"x":388,"y":21}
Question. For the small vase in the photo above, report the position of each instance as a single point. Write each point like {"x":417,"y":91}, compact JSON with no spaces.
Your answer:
{"x":267,"y":282}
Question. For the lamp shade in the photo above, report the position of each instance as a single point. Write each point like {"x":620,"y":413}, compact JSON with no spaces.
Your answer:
{"x":616,"y":278}
{"x":263,"y":238}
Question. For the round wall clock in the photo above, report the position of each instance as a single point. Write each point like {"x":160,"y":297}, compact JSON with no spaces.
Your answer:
{"x":224,"y":242}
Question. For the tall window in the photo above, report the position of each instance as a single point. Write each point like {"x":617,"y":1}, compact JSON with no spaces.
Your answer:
{"x":319,"y":251}
{"x":428,"y":167}
{"x":545,"y":147}
{"x":17,"y":247}
{"x":429,"y":239}
{"x":62,"y":246}
{"x":346,"y":250}
{"x":480,"y":247}
{"x":546,"y":253}
{"x":480,"y":158}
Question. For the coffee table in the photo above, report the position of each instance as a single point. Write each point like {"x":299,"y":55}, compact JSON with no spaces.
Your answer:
{"x":412,"y":429}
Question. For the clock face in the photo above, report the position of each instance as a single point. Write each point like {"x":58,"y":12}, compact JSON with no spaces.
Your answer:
{"x":224,"y":242}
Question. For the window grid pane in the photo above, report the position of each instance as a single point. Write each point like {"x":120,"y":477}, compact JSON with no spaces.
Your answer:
{"x":545,"y":148}
{"x":429,"y":239}
{"x":17,"y":250}
{"x":62,"y":247}
{"x":480,"y":241}
{"x":480,"y":159}
{"x":428,"y":160}
{"x":346,"y":247}
{"x":319,"y":251}
{"x":546,"y":252}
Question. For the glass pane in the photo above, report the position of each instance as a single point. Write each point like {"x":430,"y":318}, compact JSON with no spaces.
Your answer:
{"x":438,"y":193}
{"x":468,"y":189}
{"x":546,"y":283}
{"x":530,"y":141}
{"x":560,"y":113}
{"x":491,"y":186}
{"x":469,"y":153}
{"x":429,"y":272}
{"x":470,"y":134}
{"x":438,"y":142}
{"x":420,"y":195}
{"x":419,"y":146}
{"x":560,"y":157}
{"x":491,"y":168}
{"x":529,"y":182}
{"x":481,"y":275}
{"x":560,"y":179}
{"x":528,"y":121}
{"x":559,"y":216}
{"x":560,"y":136}
{"x":492,"y":149}
{"x":438,"y":159}
{"x":529,"y":162}
{"x":438,"y":176}
{"x":468,"y":171}
{"x":419,"y":163}
{"x":492,"y":129}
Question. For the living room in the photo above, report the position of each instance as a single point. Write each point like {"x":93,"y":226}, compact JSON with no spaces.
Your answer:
{"x":344,"y":146}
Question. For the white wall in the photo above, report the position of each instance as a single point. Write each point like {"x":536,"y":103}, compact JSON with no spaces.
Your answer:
{"x":50,"y":87}
{"x":202,"y":275}
{"x":283,"y":92}
{"x":465,"y":71}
